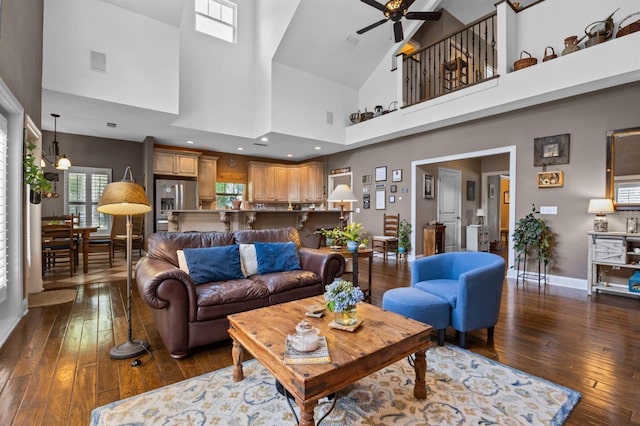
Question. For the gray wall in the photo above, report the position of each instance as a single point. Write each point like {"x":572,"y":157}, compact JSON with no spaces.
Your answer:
{"x":90,"y":151}
{"x":21,"y":53}
{"x":587,"y":118}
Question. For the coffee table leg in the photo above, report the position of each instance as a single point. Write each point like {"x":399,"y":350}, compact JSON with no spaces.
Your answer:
{"x":237,"y":353}
{"x":306,"y":412}
{"x":420,"y":366}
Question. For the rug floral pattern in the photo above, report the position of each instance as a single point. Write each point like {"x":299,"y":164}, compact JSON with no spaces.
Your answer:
{"x":462,"y":388}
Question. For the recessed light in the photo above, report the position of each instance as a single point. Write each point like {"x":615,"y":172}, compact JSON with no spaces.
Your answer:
{"x":240,"y":149}
{"x":317,"y":147}
{"x":190,"y":142}
{"x":289,"y":155}
{"x":264,"y":139}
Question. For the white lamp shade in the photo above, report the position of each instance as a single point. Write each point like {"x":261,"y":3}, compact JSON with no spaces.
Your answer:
{"x":63,"y":163}
{"x":600,"y":205}
{"x":124,"y":198}
{"x":480,"y":212}
{"x":342,"y":193}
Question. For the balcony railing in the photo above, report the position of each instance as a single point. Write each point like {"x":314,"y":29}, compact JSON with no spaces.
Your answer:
{"x":458,"y":61}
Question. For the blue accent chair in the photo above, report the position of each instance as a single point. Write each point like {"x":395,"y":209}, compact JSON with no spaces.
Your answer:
{"x":471,"y":282}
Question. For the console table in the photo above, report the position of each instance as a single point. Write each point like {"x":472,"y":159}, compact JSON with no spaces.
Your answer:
{"x":433,"y":239}
{"x":612,"y":258}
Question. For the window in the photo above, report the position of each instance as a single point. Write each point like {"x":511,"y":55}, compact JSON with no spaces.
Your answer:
{"x":84,"y":188}
{"x":216,"y":18}
{"x":227,"y":192}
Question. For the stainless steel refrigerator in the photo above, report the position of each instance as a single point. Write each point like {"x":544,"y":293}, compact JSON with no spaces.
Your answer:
{"x":174,"y":194}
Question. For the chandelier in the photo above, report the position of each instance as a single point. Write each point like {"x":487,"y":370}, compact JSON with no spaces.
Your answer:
{"x":53,"y":157}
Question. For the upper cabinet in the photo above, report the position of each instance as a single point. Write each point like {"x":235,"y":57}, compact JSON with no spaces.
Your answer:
{"x":271,"y":182}
{"x":207,"y":170}
{"x":176,"y":163}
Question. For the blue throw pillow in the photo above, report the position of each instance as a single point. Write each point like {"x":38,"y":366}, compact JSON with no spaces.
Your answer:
{"x":277,"y":257}
{"x":213,"y":263}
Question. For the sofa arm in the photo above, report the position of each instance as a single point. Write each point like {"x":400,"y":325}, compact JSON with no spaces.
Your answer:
{"x":327,"y":266}
{"x":151,"y":273}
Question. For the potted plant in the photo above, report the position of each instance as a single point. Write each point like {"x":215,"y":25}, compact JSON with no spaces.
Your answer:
{"x":532,"y":236}
{"x":404,"y":236}
{"x":332,"y":236}
{"x":34,"y":176}
{"x":342,"y":298}
{"x":352,"y":233}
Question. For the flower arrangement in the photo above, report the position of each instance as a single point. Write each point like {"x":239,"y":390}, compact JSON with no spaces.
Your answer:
{"x":342,"y":296}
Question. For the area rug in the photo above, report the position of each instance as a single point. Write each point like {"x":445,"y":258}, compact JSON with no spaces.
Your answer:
{"x":463,"y":388}
{"x":51,"y":297}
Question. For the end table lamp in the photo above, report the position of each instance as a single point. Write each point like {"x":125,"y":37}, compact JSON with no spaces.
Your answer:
{"x":126,"y":198}
{"x":341,"y":194}
{"x":480,"y":213}
{"x":600,"y":206}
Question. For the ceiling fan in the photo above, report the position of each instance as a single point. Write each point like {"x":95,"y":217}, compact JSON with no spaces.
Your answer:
{"x":395,"y":10}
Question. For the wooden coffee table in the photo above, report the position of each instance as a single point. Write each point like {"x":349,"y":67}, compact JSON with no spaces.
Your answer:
{"x":383,"y":338}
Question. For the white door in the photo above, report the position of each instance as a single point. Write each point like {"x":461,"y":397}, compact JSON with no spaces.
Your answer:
{"x":449,"y":198}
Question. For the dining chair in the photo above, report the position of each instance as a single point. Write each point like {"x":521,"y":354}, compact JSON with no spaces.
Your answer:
{"x":388,"y":241}
{"x":58,"y":242}
{"x":119,"y":233}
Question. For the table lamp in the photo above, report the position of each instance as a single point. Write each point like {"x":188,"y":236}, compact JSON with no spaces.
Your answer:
{"x":600,"y":206}
{"x":480,"y":213}
{"x":341,"y":194}
{"x":126,"y":198}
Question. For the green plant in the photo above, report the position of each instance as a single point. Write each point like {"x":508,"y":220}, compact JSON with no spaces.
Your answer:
{"x":404,"y":234}
{"x":352,"y":232}
{"x":33,"y":174}
{"x":532,"y":233}
{"x":333,"y":234}
{"x":342,"y":296}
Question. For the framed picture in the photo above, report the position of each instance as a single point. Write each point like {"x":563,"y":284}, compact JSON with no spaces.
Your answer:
{"x":492,"y":191}
{"x":366,"y":201}
{"x":393,"y":188}
{"x":550,"y":179}
{"x":392,"y":198}
{"x":506,"y":198}
{"x":366,"y":179}
{"x":551,"y":150}
{"x":396,"y":175}
{"x":380,"y":200}
{"x":427,"y":186}
{"x":471,"y":190}
{"x":381,"y":173}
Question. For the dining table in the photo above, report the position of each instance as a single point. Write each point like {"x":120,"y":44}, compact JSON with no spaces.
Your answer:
{"x":84,"y":232}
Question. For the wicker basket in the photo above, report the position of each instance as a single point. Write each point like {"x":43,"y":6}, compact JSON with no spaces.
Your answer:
{"x":549,"y":56}
{"x":524,"y":62}
{"x":631,"y":28}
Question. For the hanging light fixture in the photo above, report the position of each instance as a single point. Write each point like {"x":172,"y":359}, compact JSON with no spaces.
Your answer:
{"x":60,"y":162}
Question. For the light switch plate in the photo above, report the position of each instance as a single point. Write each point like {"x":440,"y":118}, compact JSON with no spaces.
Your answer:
{"x":548,"y":209}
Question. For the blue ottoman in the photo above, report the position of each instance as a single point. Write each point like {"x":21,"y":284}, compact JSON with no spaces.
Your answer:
{"x":420,"y":306}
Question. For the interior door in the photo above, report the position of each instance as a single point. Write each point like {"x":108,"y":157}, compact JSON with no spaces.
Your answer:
{"x":449,"y":199}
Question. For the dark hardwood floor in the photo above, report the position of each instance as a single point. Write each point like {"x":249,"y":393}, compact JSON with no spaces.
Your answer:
{"x":55,"y":367}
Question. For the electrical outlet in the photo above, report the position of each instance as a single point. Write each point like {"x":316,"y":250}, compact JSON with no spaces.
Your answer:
{"x":548,"y":209}
{"x":357,"y":209}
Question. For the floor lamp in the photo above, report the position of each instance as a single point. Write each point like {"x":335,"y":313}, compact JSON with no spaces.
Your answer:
{"x":341,"y":194}
{"x":126,"y":198}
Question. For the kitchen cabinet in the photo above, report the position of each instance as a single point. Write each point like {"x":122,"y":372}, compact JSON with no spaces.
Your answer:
{"x":207,"y":169}
{"x":175,"y":163}
{"x":272,"y":182}
{"x":612,"y":258}
{"x":477,"y":238}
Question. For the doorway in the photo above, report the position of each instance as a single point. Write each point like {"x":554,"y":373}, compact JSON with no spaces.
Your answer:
{"x":449,"y":196}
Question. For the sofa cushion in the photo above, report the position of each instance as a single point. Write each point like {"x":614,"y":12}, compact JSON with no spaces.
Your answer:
{"x":182,"y":261}
{"x":444,"y":288}
{"x":279,"y":282}
{"x":164,"y":245}
{"x":248,"y":259}
{"x":277,"y":257}
{"x":212,"y":264}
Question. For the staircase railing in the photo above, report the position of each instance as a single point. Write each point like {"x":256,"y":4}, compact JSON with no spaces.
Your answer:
{"x":453,"y":63}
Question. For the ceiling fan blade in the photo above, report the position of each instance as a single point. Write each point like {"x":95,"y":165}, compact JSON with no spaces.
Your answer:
{"x":372,"y":26}
{"x":425,"y":16}
{"x":397,"y":31}
{"x":375,"y":4}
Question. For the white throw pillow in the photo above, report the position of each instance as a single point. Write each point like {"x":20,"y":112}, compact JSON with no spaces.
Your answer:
{"x":182,"y":261}
{"x":248,"y":259}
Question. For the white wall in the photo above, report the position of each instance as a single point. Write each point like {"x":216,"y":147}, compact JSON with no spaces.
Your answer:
{"x":301,"y":101}
{"x":140,"y":51}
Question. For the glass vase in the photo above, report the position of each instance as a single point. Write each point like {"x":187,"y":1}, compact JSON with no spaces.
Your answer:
{"x":347,"y":317}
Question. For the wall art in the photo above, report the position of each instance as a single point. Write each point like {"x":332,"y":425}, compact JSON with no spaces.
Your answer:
{"x":380,"y":200}
{"x":381,"y":173}
{"x":427,"y":186}
{"x":392,"y":198}
{"x":550,"y":179}
{"x":366,"y":201}
{"x":551,"y":150}
{"x":396,"y":175}
{"x":471,"y":190}
{"x":366,"y":179}
{"x":393,"y":188}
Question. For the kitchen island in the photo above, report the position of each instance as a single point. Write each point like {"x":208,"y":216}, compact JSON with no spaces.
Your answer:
{"x":306,"y":221}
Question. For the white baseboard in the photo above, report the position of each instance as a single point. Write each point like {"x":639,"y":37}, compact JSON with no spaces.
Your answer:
{"x":556,"y":280}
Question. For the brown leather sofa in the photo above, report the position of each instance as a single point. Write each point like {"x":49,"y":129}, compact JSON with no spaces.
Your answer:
{"x":188,"y":315}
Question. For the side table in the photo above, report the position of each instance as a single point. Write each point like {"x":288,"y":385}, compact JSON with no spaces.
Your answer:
{"x":366,"y":252}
